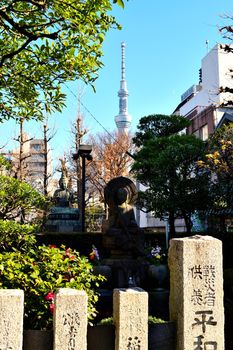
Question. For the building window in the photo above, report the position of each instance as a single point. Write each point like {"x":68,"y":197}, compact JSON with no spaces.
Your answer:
{"x":36,"y":147}
{"x":204,"y":132}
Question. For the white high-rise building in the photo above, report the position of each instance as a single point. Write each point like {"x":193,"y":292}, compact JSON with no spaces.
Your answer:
{"x":123,"y":119}
{"x":206,"y":104}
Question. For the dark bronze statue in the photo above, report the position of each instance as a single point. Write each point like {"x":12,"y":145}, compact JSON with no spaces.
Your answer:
{"x":63,"y":196}
{"x":63,"y":217}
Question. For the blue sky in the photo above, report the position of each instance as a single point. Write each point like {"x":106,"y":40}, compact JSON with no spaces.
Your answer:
{"x":165,"y":42}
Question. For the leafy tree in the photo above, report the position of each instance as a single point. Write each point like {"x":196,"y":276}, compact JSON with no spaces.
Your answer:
{"x":158,"y":125}
{"x":16,"y":196}
{"x":167,"y":165}
{"x":14,"y":236}
{"x":219,"y":157}
{"x":5,"y":165}
{"x":44,"y":44}
{"x":219,"y":160}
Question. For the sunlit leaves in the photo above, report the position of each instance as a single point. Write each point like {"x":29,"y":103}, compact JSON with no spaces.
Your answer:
{"x":16,"y":196}
{"x":219,"y":160}
{"x":45,"y":44}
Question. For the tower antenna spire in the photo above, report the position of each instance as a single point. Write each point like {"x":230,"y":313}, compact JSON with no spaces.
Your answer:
{"x":123,"y":61}
{"x":123,"y":119}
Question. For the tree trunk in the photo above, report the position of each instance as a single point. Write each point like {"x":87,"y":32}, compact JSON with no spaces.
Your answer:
{"x":188,"y":222}
{"x":172,"y":229}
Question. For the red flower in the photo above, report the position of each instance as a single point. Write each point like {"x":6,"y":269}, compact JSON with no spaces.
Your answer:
{"x":68,"y":254}
{"x":52,"y":246}
{"x":92,"y":256}
{"x":49,"y":296}
{"x":51,"y":308}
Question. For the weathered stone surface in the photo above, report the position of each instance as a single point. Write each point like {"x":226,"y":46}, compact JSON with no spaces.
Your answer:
{"x":196,"y":294}
{"x":130,"y":312}
{"x":70,"y":320}
{"x":11,"y":319}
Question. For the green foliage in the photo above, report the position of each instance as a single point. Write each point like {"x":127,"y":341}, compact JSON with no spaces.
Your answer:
{"x":106,"y":321}
{"x":219,"y":160}
{"x":119,"y":2}
{"x":4,"y":164}
{"x":13,"y":236}
{"x":155,"y":320}
{"x":45,"y":44}
{"x":16,"y":196}
{"x":167,"y":166}
{"x":40,"y":272}
{"x":151,"y":320}
{"x":158,"y":125}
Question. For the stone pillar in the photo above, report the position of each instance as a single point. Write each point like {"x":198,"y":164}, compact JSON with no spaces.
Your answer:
{"x":196,"y":292}
{"x":130,"y":313}
{"x":70,"y":320}
{"x":11,"y":319}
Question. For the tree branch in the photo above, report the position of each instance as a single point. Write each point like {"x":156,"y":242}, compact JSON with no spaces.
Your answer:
{"x":21,"y":30}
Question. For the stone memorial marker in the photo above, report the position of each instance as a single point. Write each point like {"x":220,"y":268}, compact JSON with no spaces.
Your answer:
{"x":130,"y":313}
{"x":70,"y":320}
{"x":196,"y":292}
{"x":11,"y":319}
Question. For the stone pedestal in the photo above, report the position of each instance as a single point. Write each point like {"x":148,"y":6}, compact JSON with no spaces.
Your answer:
{"x":196,"y":292}
{"x":130,"y":313}
{"x":11,"y":319}
{"x":70,"y":320}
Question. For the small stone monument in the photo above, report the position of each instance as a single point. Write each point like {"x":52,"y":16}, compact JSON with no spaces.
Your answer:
{"x":70,"y":320}
{"x":11,"y":319}
{"x":130,"y":313}
{"x":196,"y":292}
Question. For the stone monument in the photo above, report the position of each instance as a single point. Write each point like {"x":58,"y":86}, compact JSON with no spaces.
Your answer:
{"x":196,"y":294}
{"x":70,"y":320}
{"x":11,"y":319}
{"x":130,"y":313}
